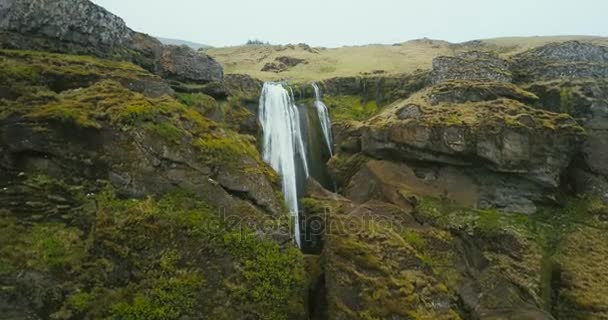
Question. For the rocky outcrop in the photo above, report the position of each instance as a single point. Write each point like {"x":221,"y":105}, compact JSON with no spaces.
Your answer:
{"x":567,"y":60}
{"x":77,"y":21}
{"x":471,"y":65}
{"x":461,"y":91}
{"x":444,"y":262}
{"x":282,"y":64}
{"x":186,"y":65}
{"x":569,"y":78}
{"x":503,"y":135}
{"x":81,"y":27}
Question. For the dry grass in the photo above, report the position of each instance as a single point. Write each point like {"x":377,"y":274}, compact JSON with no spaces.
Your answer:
{"x":325,"y":63}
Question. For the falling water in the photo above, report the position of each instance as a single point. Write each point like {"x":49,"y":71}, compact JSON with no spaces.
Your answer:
{"x":283,"y":147}
{"x":323,"y":118}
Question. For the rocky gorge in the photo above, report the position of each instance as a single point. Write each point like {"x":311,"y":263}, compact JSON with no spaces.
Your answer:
{"x":133,"y":183}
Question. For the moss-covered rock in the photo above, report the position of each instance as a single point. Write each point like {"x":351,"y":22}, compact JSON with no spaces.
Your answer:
{"x":60,"y":72}
{"x":503,"y":135}
{"x":119,"y":205}
{"x":169,"y":258}
{"x":440,"y":261}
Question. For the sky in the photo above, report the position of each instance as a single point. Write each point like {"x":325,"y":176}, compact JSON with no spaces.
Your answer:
{"x":334,"y":23}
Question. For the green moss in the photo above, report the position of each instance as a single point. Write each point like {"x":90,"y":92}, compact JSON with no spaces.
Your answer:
{"x":6,"y":267}
{"x":80,"y":302}
{"x":166,"y":131}
{"x":348,"y":108}
{"x":55,"y":247}
{"x":414,"y":239}
{"x":29,"y":66}
{"x":566,"y":101}
{"x":166,"y":298}
{"x":228,"y":150}
{"x":272,"y":278}
{"x":201,"y":102}
{"x":489,"y":221}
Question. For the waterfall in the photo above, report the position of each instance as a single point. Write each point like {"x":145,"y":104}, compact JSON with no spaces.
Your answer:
{"x":323,"y":118}
{"x":283,"y":147}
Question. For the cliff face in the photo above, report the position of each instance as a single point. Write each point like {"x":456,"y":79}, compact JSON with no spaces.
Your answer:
{"x":122,"y":199}
{"x":131,"y":186}
{"x":475,"y":197}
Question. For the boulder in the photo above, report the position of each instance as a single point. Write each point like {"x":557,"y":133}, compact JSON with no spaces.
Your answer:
{"x":184,"y":64}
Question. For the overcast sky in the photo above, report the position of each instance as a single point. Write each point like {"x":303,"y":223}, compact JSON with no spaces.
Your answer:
{"x":333,"y":23}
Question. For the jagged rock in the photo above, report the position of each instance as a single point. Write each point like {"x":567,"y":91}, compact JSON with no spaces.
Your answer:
{"x":411,"y":111}
{"x":568,"y":60}
{"x":81,"y":27}
{"x":471,"y":65}
{"x":569,"y":77}
{"x":77,"y":21}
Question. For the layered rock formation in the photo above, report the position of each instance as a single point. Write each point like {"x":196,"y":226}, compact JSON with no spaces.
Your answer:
{"x":475,"y":197}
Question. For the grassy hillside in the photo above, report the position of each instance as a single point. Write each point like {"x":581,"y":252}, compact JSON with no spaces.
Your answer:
{"x":324,"y":63}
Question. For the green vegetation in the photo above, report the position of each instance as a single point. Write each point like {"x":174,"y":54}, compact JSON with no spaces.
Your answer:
{"x":347,"y":108}
{"x":150,"y":259}
{"x":272,"y":278}
{"x":482,"y":115}
{"x":569,"y":241}
{"x":325,"y":63}
{"x":29,"y":66}
{"x":566,"y":101}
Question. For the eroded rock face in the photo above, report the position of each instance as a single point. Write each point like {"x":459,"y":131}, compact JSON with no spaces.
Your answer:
{"x":378,"y":255}
{"x":81,"y":27}
{"x":403,"y":184}
{"x":502,"y":135}
{"x":78,"y":21}
{"x":472,"y":65}
{"x":569,"y":78}
{"x":568,"y":60}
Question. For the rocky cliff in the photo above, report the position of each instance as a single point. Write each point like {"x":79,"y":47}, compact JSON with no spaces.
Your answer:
{"x":478,"y":196}
{"x":122,"y":199}
{"x":131,"y":186}
{"x":85,"y":28}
